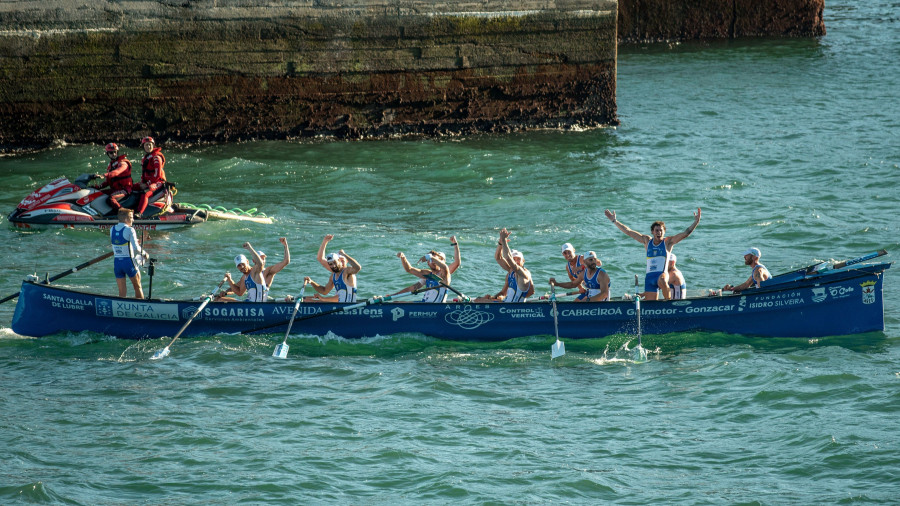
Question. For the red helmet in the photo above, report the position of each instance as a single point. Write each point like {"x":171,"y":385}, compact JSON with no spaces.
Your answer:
{"x":111,"y":147}
{"x":147,"y":139}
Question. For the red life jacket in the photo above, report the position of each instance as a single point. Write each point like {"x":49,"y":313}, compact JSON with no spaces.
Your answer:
{"x":118,"y":174}
{"x":152,"y":167}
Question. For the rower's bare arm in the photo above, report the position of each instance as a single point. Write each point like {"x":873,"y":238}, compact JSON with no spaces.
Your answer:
{"x":675,"y":239}
{"x":240,"y":287}
{"x":603,"y":279}
{"x":505,"y":252}
{"x":321,"y":255}
{"x":284,"y":262}
{"x":353,"y":267}
{"x":253,"y":254}
{"x":498,"y":256}
{"x":319,"y":288}
{"x":739,"y":288}
{"x":457,"y":259}
{"x":641,"y":238}
{"x":568,"y":284}
{"x":408,"y":267}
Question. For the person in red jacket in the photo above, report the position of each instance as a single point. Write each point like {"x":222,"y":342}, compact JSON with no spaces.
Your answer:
{"x":153,"y":177}
{"x":117,"y":178}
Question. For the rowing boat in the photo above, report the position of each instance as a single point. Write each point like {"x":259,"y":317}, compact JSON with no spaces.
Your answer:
{"x":835,"y":302}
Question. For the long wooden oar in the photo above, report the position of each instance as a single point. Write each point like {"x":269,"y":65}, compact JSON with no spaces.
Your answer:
{"x":821,"y":266}
{"x":281,"y":350}
{"x":368,"y":302}
{"x":640,"y":355}
{"x":66,"y":273}
{"x":165,"y":351}
{"x":558,"y":348}
{"x":870,"y":256}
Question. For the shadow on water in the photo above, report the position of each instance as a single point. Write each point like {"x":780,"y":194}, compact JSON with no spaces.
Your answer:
{"x":225,"y":348}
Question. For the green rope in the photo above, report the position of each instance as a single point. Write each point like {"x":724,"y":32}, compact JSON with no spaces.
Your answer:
{"x":252,"y":212}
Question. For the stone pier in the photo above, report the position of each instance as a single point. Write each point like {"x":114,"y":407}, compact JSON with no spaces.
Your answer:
{"x":95,"y":71}
{"x":666,"y":20}
{"x":224,"y":70}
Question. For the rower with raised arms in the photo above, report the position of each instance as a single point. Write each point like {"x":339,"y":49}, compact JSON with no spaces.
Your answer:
{"x":451,"y":268}
{"x":343,"y":269}
{"x":595,"y":280}
{"x":251,"y":283}
{"x":658,"y":249}
{"x":758,"y":272}
{"x":436,"y":269}
{"x":519,"y":285}
{"x":269,"y":272}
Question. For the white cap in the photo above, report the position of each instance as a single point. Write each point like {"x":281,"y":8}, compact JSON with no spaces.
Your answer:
{"x":568,"y":247}
{"x":427,"y":257}
{"x":260,"y":253}
{"x":753,"y":251}
{"x":441,"y":255}
{"x":516,"y":253}
{"x":333,"y":257}
{"x":672,"y":257}
{"x":240,"y":259}
{"x":590,"y":254}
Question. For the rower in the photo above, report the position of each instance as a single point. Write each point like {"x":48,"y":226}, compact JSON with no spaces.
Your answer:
{"x":519,"y":285}
{"x":125,"y":249}
{"x":451,"y":268}
{"x":269,"y":272}
{"x":595,"y":280}
{"x":343,"y":269}
{"x":436,"y":268}
{"x":252,"y":284}
{"x":659,"y":247}
{"x":758,"y":272}
{"x":677,"y":285}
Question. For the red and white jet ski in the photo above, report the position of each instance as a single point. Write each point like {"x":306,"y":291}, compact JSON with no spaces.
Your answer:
{"x":75,"y":204}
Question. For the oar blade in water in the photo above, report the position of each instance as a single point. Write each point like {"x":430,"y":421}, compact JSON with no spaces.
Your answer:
{"x":160,"y":354}
{"x":557,"y":350}
{"x":281,"y":351}
{"x":639,"y":355}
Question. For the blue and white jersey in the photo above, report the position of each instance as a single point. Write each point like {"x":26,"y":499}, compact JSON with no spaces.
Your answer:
{"x":345,"y":293}
{"x":124,"y":241}
{"x":436,"y":295}
{"x":593,"y":286}
{"x":256,"y":292}
{"x":678,"y":291}
{"x":513,"y":292}
{"x":657,"y":256}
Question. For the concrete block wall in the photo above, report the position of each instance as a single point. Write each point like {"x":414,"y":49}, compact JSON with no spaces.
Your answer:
{"x":218,"y":70}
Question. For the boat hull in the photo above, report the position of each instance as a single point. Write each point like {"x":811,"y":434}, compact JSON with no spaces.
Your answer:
{"x":839,"y":303}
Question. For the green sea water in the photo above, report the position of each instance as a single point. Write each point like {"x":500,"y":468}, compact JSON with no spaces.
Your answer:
{"x":791,"y":146}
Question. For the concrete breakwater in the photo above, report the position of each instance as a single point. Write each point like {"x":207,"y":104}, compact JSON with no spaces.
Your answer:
{"x":659,"y":20}
{"x":94,"y":71}
{"x":219,"y":70}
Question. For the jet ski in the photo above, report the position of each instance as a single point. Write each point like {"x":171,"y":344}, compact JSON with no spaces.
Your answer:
{"x":75,"y":204}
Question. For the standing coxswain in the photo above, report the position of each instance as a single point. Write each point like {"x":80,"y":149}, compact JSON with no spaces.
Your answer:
{"x":126,"y":252}
{"x":658,"y":249}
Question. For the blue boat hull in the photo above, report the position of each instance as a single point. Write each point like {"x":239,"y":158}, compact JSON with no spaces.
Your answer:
{"x":837,"y":303}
